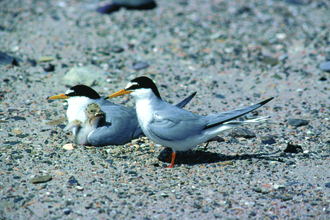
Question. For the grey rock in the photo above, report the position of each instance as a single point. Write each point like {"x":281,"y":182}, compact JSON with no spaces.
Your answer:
{"x":41,"y":179}
{"x":268,"y":140}
{"x":293,"y":148}
{"x":67,"y":211}
{"x":325,"y":66}
{"x":242,"y":132}
{"x":140,"y":65}
{"x":87,"y":75}
{"x":219,"y":96}
{"x":297,"y":122}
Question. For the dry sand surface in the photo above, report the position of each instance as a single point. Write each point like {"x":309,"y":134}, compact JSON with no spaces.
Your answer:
{"x":232,"y":53}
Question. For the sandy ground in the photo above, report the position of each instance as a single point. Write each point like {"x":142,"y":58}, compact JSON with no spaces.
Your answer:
{"x":232,"y":54}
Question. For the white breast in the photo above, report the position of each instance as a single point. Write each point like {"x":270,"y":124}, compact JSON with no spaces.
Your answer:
{"x":77,"y":107}
{"x":144,"y":113}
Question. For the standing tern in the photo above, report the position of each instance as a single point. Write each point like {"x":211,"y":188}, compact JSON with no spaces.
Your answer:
{"x":176,"y":128}
{"x":120,"y":125}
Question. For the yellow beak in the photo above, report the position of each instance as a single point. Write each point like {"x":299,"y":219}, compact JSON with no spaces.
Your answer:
{"x":119,"y":93}
{"x":60,"y":96}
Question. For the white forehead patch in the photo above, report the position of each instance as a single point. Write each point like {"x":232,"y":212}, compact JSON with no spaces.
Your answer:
{"x":130,"y":84}
{"x":69,"y":91}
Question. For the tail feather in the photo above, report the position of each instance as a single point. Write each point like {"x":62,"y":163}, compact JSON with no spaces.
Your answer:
{"x":255,"y":120}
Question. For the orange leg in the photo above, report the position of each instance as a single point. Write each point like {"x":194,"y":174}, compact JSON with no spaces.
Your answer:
{"x":173,"y":159}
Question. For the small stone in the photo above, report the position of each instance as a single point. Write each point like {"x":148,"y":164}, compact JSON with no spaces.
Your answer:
{"x":322,"y":79}
{"x":327,"y":184}
{"x":69,"y":202}
{"x":79,"y":188}
{"x":11,"y":142}
{"x":41,"y":179}
{"x":280,"y":36}
{"x":290,"y":162}
{"x":22,"y":135}
{"x":290,"y":148}
{"x":46,"y":59}
{"x":276,"y":186}
{"x":269,"y":141}
{"x":325,"y":66}
{"x":49,"y":68}
{"x":117,"y":49}
{"x":242,"y":132}
{"x":140,"y":65}
{"x":258,"y":190}
{"x":233,"y":140}
{"x":67,"y":211}
{"x":297,"y":122}
{"x":164,"y":194}
{"x":68,"y":146}
{"x":276,"y":76}
{"x":73,"y":182}
{"x":18,"y":118}
{"x":219,"y":96}
{"x":270,"y":60}
{"x":286,"y":198}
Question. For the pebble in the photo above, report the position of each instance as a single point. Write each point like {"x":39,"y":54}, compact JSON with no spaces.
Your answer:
{"x":73,"y":182}
{"x":322,"y":79}
{"x":270,"y":60}
{"x":325,"y":66}
{"x":49,"y":68}
{"x":276,"y":186}
{"x":41,"y":179}
{"x":117,"y":49}
{"x":67,"y":211}
{"x":68,"y":146}
{"x":18,"y":118}
{"x":140,"y":65}
{"x":267,"y":140}
{"x":297,"y":122}
{"x":79,"y":188}
{"x":286,"y":198}
{"x":219,"y":96}
{"x":242,"y":132}
{"x":290,"y":148}
{"x":46,"y":59}
{"x":327,"y":184}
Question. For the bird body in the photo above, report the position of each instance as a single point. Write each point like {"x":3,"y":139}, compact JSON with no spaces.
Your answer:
{"x":177,"y":128}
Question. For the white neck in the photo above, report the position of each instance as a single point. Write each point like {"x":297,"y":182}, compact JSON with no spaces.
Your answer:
{"x":145,"y":100}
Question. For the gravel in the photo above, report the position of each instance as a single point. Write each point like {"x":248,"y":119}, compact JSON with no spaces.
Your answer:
{"x":233,"y":54}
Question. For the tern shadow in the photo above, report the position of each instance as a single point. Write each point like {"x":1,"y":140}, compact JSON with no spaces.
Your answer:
{"x":200,"y":156}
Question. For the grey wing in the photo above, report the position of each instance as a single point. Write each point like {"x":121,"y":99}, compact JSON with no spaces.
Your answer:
{"x":220,"y":118}
{"x":184,"y":102}
{"x":172,"y":123}
{"x":108,"y":135}
{"x":120,"y":127}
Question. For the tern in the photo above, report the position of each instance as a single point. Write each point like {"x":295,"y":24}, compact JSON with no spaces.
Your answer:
{"x":177,"y":128}
{"x":120,"y":125}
